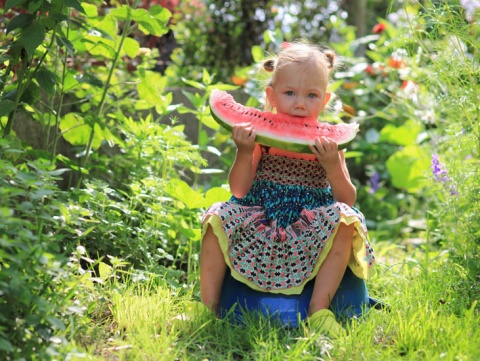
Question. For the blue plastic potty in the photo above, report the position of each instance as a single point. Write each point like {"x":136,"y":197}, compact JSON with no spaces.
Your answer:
{"x":351,"y":299}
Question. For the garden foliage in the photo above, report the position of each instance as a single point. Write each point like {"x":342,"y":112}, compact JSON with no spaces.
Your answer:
{"x":112,"y":192}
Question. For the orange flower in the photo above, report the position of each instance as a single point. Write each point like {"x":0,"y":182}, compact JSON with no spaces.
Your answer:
{"x":396,"y":62}
{"x":350,"y":85}
{"x":238,"y":80}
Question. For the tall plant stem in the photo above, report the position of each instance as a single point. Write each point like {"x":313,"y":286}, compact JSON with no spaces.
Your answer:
{"x":105,"y":92}
{"x":24,"y":85}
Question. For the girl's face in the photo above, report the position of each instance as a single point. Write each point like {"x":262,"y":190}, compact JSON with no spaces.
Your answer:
{"x":299,"y":90}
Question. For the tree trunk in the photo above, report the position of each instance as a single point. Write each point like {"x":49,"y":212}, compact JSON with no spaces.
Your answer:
{"x":357,"y":16}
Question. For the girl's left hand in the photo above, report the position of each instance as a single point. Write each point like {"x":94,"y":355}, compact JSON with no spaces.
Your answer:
{"x":326,"y":151}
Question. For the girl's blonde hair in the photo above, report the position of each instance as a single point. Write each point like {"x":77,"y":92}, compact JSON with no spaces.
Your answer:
{"x":299,"y":53}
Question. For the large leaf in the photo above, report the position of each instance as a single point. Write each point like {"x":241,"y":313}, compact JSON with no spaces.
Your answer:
{"x":98,"y":46}
{"x":47,"y":80}
{"x":74,"y":4}
{"x":182,"y":191}
{"x":15,"y":3}
{"x":151,"y":86}
{"x":89,"y":79}
{"x":149,"y":24}
{"x":408,"y":168}
{"x":90,"y":10}
{"x":32,"y":36}
{"x":77,"y":132}
{"x":217,"y":194}
{"x":131,"y":47}
{"x":6,"y":106}
{"x":404,"y":135}
{"x":19,"y":21}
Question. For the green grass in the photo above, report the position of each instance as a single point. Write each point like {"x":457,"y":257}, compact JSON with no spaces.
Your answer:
{"x":427,"y":321}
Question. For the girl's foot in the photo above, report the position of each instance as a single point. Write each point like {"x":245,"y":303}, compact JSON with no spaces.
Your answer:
{"x":324,"y":322}
{"x":193,"y":309}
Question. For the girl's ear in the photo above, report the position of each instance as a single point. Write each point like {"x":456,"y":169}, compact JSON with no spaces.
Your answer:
{"x":270,"y":97}
{"x":326,"y":99}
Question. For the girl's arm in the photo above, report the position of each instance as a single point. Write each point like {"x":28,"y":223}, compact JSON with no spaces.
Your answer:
{"x":333,"y":161}
{"x":246,"y":160}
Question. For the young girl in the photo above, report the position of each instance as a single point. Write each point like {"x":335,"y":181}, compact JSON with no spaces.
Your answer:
{"x":291,"y":216}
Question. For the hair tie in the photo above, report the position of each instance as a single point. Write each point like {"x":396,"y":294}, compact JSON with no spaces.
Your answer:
{"x":285,"y":45}
{"x":269,"y":65}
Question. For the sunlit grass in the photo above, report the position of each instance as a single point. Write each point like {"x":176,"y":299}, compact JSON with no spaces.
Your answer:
{"x":425,"y":321}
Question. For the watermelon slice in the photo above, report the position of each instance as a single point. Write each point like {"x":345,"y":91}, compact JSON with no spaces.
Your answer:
{"x":278,"y":130}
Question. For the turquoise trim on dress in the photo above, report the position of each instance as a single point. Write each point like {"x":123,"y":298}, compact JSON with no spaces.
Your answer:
{"x":283,"y":202}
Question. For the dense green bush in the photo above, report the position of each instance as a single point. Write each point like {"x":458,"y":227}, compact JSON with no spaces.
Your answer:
{"x":39,"y":297}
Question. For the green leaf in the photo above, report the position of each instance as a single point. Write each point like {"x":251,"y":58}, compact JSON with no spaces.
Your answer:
{"x":209,"y":121}
{"x":33,"y":6}
{"x":353,"y":154}
{"x":195,"y":99}
{"x":74,"y":4}
{"x":151,"y":87}
{"x":206,"y":78}
{"x":105,"y":270}
{"x":90,"y":10}
{"x":98,"y":46}
{"x":19,"y":21}
{"x":47,"y":80}
{"x":74,"y":129}
{"x":152,"y":27}
{"x":32,"y":36}
{"x":6,"y":107}
{"x":5,"y":345}
{"x":147,"y":23}
{"x":408,"y":168}
{"x":375,"y":56}
{"x":193,"y":83}
{"x":55,"y":322}
{"x":182,"y":191}
{"x":107,"y":27}
{"x":14,"y":3}
{"x":31,"y":94}
{"x":257,"y":53}
{"x":403,"y":135}
{"x":160,"y":13}
{"x":131,"y":47}
{"x":67,"y":44}
{"x":89,"y":79}
{"x":217,"y":194}
{"x":121,"y":13}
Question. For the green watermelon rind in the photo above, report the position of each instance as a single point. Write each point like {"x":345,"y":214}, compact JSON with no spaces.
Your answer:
{"x":292,"y":146}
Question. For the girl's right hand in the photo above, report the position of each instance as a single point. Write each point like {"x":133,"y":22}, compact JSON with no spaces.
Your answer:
{"x":244,"y":137}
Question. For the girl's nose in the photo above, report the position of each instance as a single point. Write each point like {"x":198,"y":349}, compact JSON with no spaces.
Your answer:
{"x":299,"y":102}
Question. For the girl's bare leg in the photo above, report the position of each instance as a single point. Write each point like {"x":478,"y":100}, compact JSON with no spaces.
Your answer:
{"x":212,"y":270}
{"x":332,"y":270}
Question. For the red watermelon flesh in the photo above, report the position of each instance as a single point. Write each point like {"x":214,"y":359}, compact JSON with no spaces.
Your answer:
{"x":278,"y":130}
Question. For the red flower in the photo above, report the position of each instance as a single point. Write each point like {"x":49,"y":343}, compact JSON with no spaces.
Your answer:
{"x":369,"y":70}
{"x":379,"y":28}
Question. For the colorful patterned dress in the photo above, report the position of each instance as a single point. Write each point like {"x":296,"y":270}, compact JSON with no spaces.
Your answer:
{"x":276,"y":237}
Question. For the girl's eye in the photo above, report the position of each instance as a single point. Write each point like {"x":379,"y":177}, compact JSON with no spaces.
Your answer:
{"x":312,"y":95}
{"x":289,"y":93}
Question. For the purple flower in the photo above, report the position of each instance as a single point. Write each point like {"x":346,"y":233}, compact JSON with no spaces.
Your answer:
{"x":441,"y":175}
{"x":374,"y":183}
{"x":439,"y":171}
